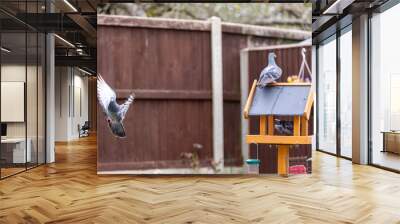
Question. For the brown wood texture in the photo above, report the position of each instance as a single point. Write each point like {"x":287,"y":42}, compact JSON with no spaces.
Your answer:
{"x":296,"y":125}
{"x":271,"y":125}
{"x":263,"y":125}
{"x":289,"y":59}
{"x":170,"y":71}
{"x":159,"y":125}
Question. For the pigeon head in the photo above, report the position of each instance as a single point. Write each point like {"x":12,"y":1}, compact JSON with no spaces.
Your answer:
{"x":271,"y":58}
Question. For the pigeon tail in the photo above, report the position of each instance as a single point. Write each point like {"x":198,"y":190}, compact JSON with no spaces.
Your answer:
{"x":130,"y":98}
{"x":117,"y":129}
{"x":124,"y":107}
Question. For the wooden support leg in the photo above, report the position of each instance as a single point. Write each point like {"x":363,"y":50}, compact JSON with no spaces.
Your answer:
{"x":283,"y":160}
{"x":271,"y":125}
{"x":263,"y":125}
{"x":296,"y":126}
{"x":304,"y":126}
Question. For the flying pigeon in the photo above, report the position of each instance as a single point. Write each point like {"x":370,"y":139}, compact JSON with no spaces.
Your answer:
{"x":271,"y":73}
{"x":114,"y":112}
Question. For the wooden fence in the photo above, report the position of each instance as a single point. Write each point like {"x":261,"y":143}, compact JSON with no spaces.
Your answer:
{"x":168,"y":64}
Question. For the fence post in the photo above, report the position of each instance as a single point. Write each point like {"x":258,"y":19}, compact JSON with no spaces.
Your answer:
{"x":217,"y":92}
{"x":244,"y":90}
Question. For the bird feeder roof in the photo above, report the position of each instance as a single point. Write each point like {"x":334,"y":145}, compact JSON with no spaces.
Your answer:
{"x":283,"y":99}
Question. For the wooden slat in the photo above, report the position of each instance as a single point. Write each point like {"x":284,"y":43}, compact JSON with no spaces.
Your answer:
{"x":198,"y":25}
{"x":250,"y":99}
{"x":310,"y":102}
{"x":263,"y":125}
{"x":296,"y":126}
{"x":160,"y":94}
{"x":304,"y":126}
{"x":153,"y":23}
{"x":290,"y":84}
{"x":283,"y":160}
{"x":279,"y":140}
{"x":271,"y":125}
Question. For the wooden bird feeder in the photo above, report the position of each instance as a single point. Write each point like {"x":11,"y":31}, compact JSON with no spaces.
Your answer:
{"x":280,"y":99}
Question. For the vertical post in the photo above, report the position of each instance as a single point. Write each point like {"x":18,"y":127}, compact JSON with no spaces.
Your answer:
{"x":271,"y":125}
{"x":217,"y":92}
{"x":283,"y":150}
{"x":283,"y":160}
{"x":360,"y":90}
{"x":50,"y":92}
{"x":304,"y":126}
{"x":296,"y":125}
{"x":263,"y":125}
{"x":244,"y":91}
{"x":50,"y":98}
{"x":338,"y":91}
{"x":315,"y":82}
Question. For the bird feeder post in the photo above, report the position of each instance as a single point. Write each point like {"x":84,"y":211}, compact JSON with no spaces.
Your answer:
{"x":283,"y":150}
{"x":283,"y":160}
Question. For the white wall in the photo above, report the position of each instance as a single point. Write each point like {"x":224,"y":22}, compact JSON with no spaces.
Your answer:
{"x":62,"y":81}
{"x":14,"y":73}
{"x":71,"y":94}
{"x":33,"y":126}
{"x":80,"y":89}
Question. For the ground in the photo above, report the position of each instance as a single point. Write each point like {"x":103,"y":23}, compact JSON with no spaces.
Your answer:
{"x":70,"y":191}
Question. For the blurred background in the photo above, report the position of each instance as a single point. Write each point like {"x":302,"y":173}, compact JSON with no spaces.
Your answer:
{"x":296,"y":15}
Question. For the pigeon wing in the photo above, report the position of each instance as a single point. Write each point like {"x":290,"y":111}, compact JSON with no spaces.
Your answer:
{"x":277,"y":72}
{"x":267,"y":76}
{"x":124,"y":107}
{"x":104,"y":94}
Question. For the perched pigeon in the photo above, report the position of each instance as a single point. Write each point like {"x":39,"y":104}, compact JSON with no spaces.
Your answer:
{"x":284,"y":127}
{"x":271,"y":73}
{"x":114,"y":112}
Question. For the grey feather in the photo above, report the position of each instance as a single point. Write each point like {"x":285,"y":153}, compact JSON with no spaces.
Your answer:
{"x":114,"y":112}
{"x":271,"y":73}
